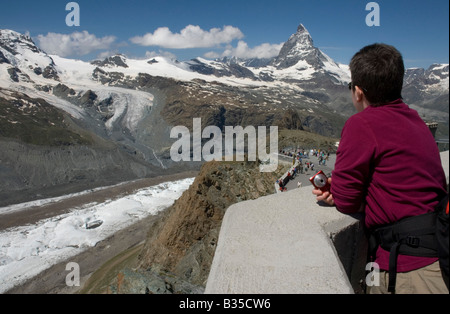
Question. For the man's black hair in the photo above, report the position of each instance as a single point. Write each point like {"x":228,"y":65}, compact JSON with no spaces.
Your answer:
{"x":379,"y":71}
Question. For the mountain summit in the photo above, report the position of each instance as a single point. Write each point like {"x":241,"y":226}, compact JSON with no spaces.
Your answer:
{"x":300,"y":47}
{"x":24,"y":56}
{"x":11,"y":41}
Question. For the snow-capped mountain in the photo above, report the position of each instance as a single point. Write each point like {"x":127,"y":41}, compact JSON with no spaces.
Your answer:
{"x":24,"y":57}
{"x":221,"y":69}
{"x":105,"y":89}
{"x":298,"y":61}
{"x":434,"y":79}
{"x":298,"y":48}
{"x":300,"y":53}
{"x":121,"y":110}
{"x":426,"y":90}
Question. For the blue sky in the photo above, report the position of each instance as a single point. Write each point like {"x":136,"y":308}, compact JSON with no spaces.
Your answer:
{"x":210,"y":28}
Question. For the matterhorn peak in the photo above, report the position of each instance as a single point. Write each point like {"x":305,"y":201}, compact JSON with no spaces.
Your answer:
{"x":298,"y":47}
{"x":302,"y":37}
{"x":301,"y":29}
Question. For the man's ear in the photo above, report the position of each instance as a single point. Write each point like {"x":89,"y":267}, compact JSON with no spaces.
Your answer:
{"x":359,"y":94}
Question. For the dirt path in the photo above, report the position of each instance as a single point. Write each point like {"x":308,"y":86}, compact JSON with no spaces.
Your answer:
{"x":98,"y":282}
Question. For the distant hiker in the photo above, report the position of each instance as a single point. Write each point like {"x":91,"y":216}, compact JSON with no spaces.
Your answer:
{"x":378,"y":171}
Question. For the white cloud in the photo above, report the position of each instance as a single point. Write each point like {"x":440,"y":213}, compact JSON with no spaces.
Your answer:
{"x":189,"y":37}
{"x":242,"y":50}
{"x":77,"y":43}
{"x":107,"y":54}
{"x":167,"y":54}
{"x":212,"y":55}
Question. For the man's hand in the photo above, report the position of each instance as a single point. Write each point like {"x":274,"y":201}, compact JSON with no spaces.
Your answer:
{"x":325,"y":197}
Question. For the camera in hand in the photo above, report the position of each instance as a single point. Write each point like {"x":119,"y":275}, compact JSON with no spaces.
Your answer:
{"x":320,"y":181}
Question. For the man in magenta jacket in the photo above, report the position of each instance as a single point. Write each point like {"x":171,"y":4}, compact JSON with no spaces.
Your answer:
{"x":388,"y":164}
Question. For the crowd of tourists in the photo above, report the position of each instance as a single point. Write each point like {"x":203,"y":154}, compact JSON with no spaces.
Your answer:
{"x":301,"y":163}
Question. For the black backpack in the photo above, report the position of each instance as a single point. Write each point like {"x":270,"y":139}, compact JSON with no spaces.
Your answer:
{"x":424,"y":235}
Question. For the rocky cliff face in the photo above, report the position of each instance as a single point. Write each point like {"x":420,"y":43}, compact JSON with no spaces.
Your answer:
{"x":183,"y":243}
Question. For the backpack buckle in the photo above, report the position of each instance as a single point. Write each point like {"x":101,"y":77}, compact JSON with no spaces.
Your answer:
{"x":413,"y":241}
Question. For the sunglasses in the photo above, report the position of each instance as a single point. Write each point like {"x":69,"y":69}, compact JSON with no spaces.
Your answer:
{"x":351,"y":85}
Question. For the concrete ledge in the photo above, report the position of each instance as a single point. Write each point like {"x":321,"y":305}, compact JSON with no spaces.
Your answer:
{"x":283,"y":243}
